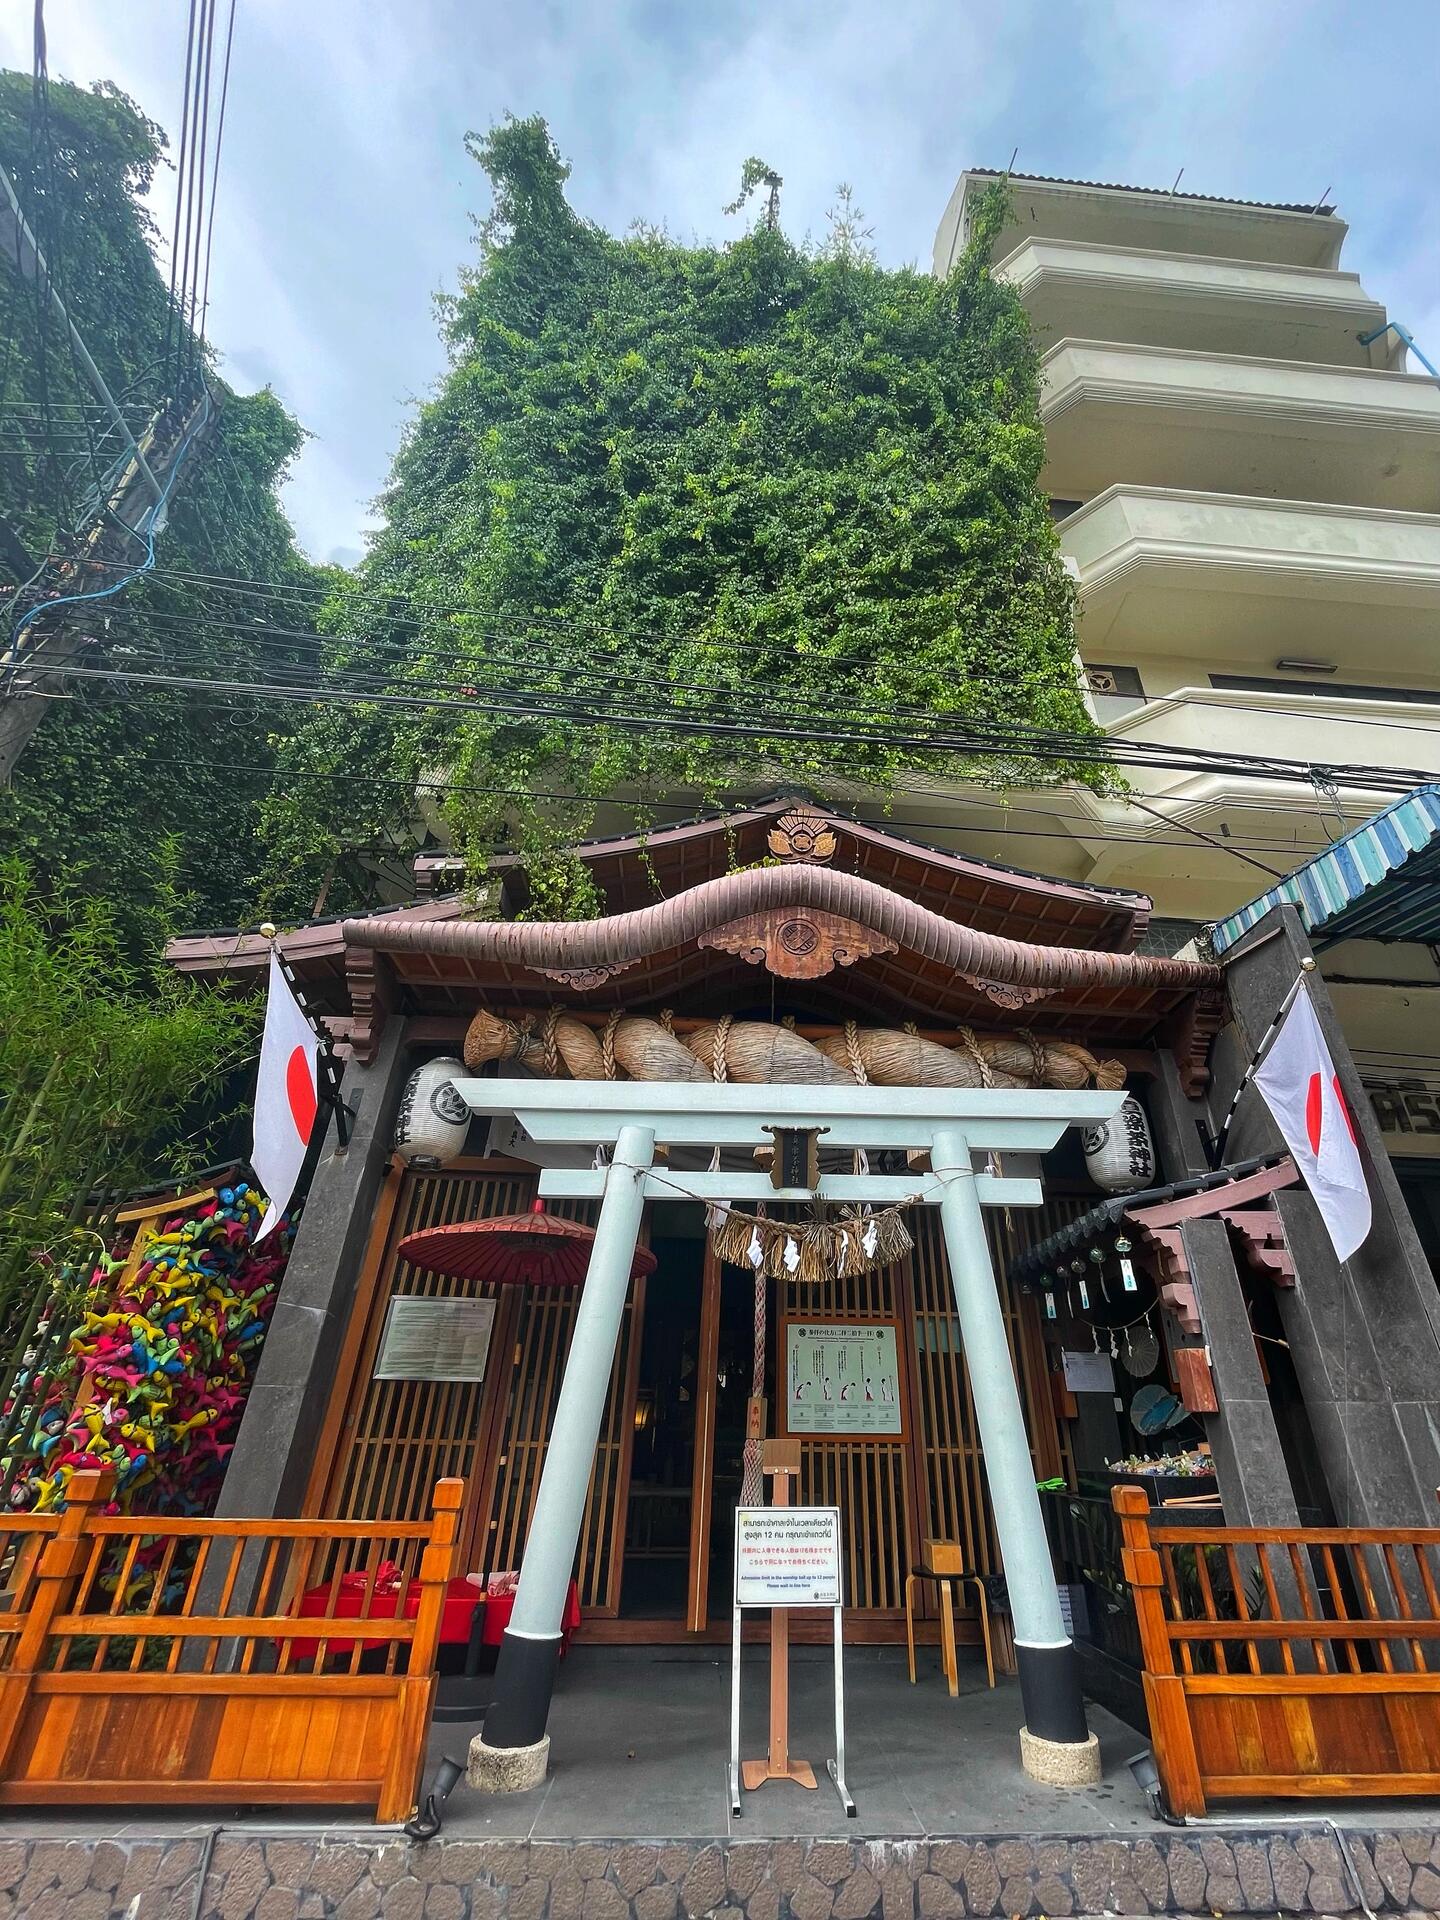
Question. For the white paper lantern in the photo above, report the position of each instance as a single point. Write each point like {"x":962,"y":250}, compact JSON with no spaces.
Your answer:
{"x":1119,"y":1153}
{"x":433,"y":1120}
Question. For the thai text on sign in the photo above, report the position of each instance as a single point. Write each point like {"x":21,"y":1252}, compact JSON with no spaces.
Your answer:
{"x":787,"y":1557}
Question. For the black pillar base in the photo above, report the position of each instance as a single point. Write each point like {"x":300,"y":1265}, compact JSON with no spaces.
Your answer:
{"x":524,"y":1682}
{"x":1050,"y":1689}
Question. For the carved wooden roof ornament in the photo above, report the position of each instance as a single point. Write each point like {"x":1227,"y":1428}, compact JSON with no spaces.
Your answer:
{"x":797,"y":944}
{"x":804,"y":836}
{"x":582,"y":978}
{"x":1004,"y":995}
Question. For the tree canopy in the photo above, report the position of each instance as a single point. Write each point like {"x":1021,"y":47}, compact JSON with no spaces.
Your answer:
{"x":684,"y":517}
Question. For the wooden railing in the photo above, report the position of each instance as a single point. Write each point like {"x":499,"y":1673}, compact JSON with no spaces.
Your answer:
{"x":1286,"y":1661}
{"x":218,"y":1661}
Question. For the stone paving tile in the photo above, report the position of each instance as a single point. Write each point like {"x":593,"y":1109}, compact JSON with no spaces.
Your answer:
{"x":323,"y":1876}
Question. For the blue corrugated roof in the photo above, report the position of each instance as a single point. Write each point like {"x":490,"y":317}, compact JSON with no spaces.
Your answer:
{"x":1381,"y":882}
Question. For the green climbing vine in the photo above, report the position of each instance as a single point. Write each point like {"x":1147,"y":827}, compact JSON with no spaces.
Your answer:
{"x":770,"y":497}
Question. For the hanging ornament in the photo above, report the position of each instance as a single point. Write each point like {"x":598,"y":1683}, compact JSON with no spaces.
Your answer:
{"x":755,"y":1252}
{"x":1050,"y":1306}
{"x":870,"y":1239}
{"x":1127,"y":1270}
{"x":791,"y":1255}
{"x":1084,"y":1298}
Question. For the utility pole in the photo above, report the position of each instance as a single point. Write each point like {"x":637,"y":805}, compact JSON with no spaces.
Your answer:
{"x":22,"y":246}
{"x":129,"y":503}
{"x":29,"y":658}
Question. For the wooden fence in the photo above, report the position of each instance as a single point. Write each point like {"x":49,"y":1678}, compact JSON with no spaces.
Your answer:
{"x":218,"y":1662}
{"x":1286,"y":1661}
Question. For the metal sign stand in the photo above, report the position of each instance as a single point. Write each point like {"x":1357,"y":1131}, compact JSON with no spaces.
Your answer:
{"x":782,"y":1462}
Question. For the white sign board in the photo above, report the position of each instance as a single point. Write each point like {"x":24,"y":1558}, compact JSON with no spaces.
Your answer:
{"x":787,"y":1557}
{"x":842,"y":1378}
{"x":435,"y":1339}
{"x":1089,"y":1372}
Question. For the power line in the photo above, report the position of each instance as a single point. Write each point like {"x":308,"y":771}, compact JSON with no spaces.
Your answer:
{"x":281,"y":590}
{"x":215,"y":175}
{"x":416,"y":788}
{"x":529,"y":706}
{"x":972,"y":735}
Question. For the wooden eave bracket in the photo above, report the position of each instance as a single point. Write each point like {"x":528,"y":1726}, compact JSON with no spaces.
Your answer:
{"x":1259,"y":1230}
{"x":371,"y":984}
{"x":1188,"y":1031}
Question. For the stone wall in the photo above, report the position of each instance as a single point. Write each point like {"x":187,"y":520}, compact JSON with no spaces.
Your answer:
{"x":252,"y":1876}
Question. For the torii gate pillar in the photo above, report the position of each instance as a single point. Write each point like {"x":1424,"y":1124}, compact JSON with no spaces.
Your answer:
{"x":953,"y":1125}
{"x":1056,"y":1745}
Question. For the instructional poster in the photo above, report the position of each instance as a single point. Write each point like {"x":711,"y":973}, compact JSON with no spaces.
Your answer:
{"x":787,"y":1557}
{"x":842,"y":1378}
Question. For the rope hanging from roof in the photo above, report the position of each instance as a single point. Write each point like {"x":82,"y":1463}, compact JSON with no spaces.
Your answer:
{"x":752,"y":1052}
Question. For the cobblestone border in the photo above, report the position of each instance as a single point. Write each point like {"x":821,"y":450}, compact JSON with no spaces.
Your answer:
{"x":260,"y":1877}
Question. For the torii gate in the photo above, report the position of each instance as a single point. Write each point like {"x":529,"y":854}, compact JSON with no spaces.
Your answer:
{"x":630,"y":1118}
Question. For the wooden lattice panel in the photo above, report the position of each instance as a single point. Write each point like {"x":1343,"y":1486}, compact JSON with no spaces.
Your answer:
{"x":868,"y":1479}
{"x":399,"y":1436}
{"x":956,"y":1501}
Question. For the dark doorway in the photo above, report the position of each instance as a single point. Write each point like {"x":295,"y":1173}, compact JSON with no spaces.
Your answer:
{"x":657,"y":1520}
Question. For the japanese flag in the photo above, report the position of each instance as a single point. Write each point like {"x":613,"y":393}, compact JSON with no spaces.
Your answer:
{"x":1301,"y":1089}
{"x":286,"y":1097}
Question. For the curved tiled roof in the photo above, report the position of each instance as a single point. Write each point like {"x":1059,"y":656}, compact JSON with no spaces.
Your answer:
{"x":621,"y":939}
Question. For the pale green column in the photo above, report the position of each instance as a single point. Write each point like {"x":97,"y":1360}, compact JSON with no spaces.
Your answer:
{"x":1048,"y":1673}
{"x":525,"y":1672}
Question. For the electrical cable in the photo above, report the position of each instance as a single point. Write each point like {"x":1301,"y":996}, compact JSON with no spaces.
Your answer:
{"x":180,"y":176}
{"x":527,"y":705}
{"x":215,"y":172}
{"x":993,"y":735}
{"x":103,"y":593}
{"x":280,"y":590}
{"x":202,"y":146}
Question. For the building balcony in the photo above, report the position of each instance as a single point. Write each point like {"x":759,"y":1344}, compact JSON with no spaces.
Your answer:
{"x":1140,"y":217}
{"x":1082,"y":290}
{"x":1241,"y":583}
{"x":1223,"y":423}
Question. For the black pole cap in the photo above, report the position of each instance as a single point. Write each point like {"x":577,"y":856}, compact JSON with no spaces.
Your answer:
{"x":1050,"y":1689}
{"x":524,"y":1682}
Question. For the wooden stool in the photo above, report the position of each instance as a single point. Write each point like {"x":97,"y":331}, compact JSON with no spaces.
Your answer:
{"x":942,"y":1562}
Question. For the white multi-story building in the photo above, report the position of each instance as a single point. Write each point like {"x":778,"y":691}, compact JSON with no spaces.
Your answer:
{"x":1246,"y":479}
{"x":1247,"y":483}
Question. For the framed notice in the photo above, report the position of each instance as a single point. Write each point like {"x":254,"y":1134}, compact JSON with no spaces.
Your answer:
{"x":1089,"y":1372}
{"x":435,"y":1339}
{"x":787,"y":1557}
{"x":842,"y":1380}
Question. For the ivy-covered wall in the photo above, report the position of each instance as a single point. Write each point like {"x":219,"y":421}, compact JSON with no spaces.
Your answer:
{"x":752,"y":493}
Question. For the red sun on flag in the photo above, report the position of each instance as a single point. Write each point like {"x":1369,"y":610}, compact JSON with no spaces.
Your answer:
{"x":1315,"y":1109}
{"x":300,"y":1090}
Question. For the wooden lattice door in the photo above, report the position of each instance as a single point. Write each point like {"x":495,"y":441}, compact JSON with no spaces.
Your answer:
{"x":396,"y":1437}
{"x":955,"y":1500}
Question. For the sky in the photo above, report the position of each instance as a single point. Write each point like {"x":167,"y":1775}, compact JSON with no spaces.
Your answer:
{"x":346,"y":195}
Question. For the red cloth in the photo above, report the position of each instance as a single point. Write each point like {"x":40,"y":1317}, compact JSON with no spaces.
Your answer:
{"x":500,"y":1606}
{"x":461,"y":1600}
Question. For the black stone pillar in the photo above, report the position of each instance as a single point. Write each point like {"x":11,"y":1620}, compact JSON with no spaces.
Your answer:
{"x":1364,"y":1336}
{"x":274,"y":1450}
{"x":1250,"y":1470}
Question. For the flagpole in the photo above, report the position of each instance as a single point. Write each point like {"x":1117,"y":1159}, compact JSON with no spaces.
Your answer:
{"x":1257,"y":1059}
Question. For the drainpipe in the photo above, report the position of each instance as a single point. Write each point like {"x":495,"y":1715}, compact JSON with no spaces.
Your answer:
{"x":1404,"y":335}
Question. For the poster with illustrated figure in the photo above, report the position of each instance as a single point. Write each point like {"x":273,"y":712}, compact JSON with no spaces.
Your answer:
{"x":842,"y":1379}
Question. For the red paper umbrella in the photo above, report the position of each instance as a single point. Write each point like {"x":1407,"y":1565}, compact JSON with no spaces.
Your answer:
{"x":532,"y":1249}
